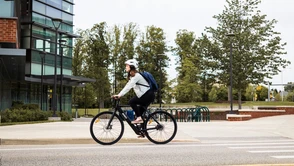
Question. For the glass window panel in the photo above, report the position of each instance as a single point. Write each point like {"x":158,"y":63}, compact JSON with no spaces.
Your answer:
{"x":70,"y":1}
{"x":67,"y":28}
{"x":67,"y":18}
{"x":7,"y":8}
{"x":67,"y":7}
{"x":49,"y":22}
{"x":67,"y":72}
{"x":38,"y":18}
{"x":55,"y":3}
{"x":38,"y":44}
{"x":67,"y":62}
{"x":39,"y":32}
{"x":39,"y":7}
{"x":52,"y":12}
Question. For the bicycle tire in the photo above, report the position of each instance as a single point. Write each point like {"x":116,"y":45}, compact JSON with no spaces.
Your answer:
{"x":105,"y":136}
{"x":163,"y":132}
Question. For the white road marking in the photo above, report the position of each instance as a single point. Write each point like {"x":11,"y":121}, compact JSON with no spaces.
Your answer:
{"x":283,"y":157}
{"x":261,"y":143}
{"x":271,"y":151}
{"x":261,"y":147}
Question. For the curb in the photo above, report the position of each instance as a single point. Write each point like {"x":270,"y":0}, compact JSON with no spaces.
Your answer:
{"x":77,"y":141}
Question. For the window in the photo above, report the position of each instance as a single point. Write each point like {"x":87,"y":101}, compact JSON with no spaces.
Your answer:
{"x":39,"y":7}
{"x":67,"y":7}
{"x":6,"y":8}
{"x":38,"y":18}
{"x":55,"y":3}
{"x":67,"y":18}
{"x":52,"y":12}
{"x":67,"y":28}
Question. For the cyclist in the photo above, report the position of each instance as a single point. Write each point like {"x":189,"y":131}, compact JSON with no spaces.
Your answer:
{"x":144,"y":96}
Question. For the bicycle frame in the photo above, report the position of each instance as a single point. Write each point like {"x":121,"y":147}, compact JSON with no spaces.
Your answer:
{"x":123,"y":116}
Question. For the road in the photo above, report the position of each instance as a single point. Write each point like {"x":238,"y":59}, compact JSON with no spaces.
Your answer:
{"x":209,"y":151}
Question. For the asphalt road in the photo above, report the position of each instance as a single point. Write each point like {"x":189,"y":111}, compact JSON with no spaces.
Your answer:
{"x":210,"y":151}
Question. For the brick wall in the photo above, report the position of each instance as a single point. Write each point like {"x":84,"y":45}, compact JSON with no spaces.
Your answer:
{"x":8,"y":30}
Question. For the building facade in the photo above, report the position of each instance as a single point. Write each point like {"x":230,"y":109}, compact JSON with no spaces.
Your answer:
{"x":36,"y":48}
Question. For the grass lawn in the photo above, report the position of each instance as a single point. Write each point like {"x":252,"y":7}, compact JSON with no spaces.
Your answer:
{"x":91,"y":112}
{"x":227,"y":104}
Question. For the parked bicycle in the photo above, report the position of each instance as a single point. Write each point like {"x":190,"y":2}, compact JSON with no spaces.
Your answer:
{"x":107,"y":127}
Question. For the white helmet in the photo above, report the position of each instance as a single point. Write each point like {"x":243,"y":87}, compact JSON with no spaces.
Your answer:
{"x":132,"y":62}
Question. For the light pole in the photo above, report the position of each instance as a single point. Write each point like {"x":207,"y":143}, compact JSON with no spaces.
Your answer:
{"x":42,"y":77}
{"x":231,"y":71}
{"x":56,"y":23}
{"x":61,"y":42}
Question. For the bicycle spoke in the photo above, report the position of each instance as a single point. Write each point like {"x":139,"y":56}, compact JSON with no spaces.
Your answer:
{"x":160,"y":127}
{"x":104,"y":134}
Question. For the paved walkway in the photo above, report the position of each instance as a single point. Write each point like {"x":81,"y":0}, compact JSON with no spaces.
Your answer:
{"x":78,"y":132}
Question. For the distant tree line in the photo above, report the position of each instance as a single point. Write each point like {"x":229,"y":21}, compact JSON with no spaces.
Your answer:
{"x":203,"y":62}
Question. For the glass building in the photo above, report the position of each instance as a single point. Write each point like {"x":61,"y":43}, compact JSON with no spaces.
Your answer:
{"x":28,"y":47}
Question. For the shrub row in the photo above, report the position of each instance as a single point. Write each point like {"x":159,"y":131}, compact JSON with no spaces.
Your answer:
{"x":20,"y":112}
{"x":23,"y":115}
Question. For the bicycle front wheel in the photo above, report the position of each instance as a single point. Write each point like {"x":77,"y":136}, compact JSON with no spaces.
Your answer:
{"x":104,"y":134}
{"x":161,"y":127}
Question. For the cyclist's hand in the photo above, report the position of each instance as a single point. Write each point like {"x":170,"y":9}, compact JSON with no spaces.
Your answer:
{"x":115,"y":96}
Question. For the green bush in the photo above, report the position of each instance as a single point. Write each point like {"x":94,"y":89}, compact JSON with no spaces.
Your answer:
{"x":65,"y":116}
{"x":23,"y":115}
{"x":20,"y":104}
{"x":31,"y":106}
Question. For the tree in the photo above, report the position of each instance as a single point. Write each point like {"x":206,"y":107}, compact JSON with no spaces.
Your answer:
{"x":78,"y":63}
{"x":261,"y":93}
{"x":289,"y":87}
{"x":114,"y":40}
{"x":218,"y":93}
{"x":126,"y":51}
{"x":257,"y":46}
{"x":188,"y":88}
{"x":98,"y":62}
{"x":151,"y":55}
{"x":250,"y":93}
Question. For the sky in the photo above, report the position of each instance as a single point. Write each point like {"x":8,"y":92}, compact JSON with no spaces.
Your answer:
{"x":193,"y":15}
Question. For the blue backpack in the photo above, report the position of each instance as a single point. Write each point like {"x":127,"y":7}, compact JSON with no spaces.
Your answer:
{"x":150,"y":79}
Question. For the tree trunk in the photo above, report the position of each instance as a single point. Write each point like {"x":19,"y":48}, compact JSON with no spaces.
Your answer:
{"x":239,"y":99}
{"x":229,"y":92}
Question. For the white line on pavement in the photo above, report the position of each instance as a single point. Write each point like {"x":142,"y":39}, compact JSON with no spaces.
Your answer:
{"x":283,"y":157}
{"x":262,"y":143}
{"x":242,"y":141}
{"x":270,"y":151}
{"x":261,"y":147}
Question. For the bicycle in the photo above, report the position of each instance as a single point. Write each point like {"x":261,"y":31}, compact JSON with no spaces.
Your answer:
{"x":107,"y":127}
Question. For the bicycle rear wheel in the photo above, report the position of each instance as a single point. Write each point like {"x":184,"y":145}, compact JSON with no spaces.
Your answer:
{"x":161,"y":127}
{"x":106,"y":135}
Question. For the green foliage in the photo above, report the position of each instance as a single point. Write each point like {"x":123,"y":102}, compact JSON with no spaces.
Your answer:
{"x":250,"y":92}
{"x":23,"y":115}
{"x":290,"y":97}
{"x":289,"y":87}
{"x":257,"y":47}
{"x":278,"y":97}
{"x":65,"y":116}
{"x":151,"y":55}
{"x":262,"y":93}
{"x":218,"y":93}
{"x":188,"y":88}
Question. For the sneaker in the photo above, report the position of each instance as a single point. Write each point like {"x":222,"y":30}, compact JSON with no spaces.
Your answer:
{"x":137,"y":121}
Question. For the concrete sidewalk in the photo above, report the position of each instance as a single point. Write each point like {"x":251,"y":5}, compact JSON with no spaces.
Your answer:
{"x":77,"y":132}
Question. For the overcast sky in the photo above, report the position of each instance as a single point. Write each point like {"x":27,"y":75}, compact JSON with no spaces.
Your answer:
{"x":172,"y":15}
